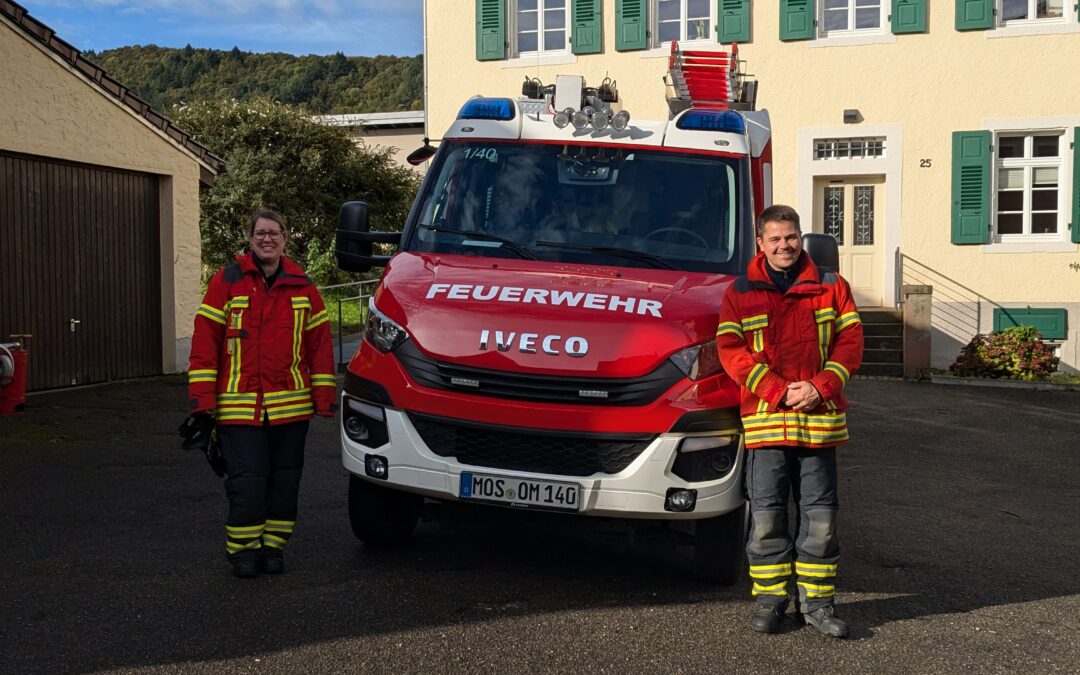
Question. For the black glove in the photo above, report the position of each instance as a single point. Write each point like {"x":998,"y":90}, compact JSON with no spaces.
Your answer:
{"x":198,"y":434}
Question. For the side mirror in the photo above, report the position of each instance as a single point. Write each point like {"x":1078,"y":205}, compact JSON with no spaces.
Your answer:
{"x":823,"y":250}
{"x":421,"y":154}
{"x":352,"y":249}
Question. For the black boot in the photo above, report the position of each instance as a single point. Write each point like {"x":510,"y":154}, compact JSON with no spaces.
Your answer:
{"x":272,"y":561}
{"x":245,"y":567}
{"x":766,"y":618}
{"x":826,"y":622}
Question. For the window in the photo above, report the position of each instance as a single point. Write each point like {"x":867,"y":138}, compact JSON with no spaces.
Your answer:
{"x":683,"y":20}
{"x":1031,"y":10}
{"x":850,"y":17}
{"x":1028,"y":170}
{"x":848,"y":148}
{"x":539,"y":26}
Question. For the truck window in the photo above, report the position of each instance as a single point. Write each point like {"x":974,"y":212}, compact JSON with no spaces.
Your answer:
{"x":577,"y":203}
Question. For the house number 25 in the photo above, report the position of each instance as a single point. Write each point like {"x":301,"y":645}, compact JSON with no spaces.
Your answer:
{"x":925,"y":163}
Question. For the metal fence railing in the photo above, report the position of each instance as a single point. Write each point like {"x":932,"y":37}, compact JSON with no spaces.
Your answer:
{"x":342,"y":295}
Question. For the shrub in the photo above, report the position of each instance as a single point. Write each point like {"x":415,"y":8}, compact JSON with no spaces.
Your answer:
{"x":1017,"y":353}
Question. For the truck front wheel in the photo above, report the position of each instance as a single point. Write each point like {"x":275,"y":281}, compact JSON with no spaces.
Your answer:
{"x":379,"y":515}
{"x":718,"y":547}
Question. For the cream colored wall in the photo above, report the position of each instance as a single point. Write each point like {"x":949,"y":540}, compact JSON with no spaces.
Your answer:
{"x":48,"y":110}
{"x":926,"y":85}
{"x":402,"y":141}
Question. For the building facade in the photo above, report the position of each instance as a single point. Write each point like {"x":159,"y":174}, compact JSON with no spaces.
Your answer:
{"x":936,"y":140}
{"x":402,"y":131}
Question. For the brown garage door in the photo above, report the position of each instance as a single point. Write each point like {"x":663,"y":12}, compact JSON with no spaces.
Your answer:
{"x":80,"y":269}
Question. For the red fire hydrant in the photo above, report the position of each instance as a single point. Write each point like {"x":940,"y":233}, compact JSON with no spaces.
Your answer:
{"x":13,"y":360}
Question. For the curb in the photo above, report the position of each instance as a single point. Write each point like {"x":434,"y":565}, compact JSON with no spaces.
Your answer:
{"x":1002,"y":384}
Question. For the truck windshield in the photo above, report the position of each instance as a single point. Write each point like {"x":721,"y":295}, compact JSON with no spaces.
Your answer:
{"x":628,"y":207}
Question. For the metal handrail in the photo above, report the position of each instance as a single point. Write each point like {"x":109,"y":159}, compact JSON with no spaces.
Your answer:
{"x":361,"y":296}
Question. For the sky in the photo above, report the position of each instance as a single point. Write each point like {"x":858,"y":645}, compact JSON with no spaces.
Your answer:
{"x":353,"y":27}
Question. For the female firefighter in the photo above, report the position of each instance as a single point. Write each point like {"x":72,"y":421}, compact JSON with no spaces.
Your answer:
{"x":262,"y":365}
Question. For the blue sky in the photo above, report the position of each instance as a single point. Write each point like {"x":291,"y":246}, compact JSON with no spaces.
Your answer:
{"x":354,"y":27}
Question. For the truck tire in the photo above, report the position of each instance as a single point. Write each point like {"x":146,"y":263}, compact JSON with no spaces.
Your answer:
{"x":379,"y":515}
{"x":719,"y":547}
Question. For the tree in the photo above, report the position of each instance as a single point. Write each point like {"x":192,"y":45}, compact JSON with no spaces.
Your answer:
{"x":280,"y":159}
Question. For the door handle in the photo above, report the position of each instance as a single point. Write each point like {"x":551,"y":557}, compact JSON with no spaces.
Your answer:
{"x":74,"y":322}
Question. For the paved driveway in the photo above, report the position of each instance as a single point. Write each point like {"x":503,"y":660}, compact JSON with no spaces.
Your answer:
{"x":959,"y":528}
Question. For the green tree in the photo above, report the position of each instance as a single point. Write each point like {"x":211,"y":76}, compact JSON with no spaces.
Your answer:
{"x":280,"y":159}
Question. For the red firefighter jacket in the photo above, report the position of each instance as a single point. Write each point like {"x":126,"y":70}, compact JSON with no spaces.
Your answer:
{"x":767,"y":340}
{"x":261,"y":353}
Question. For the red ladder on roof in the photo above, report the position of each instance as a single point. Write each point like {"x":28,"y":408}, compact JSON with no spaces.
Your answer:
{"x":705,"y":79}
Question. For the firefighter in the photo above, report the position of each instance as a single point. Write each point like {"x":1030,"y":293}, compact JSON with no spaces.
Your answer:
{"x":262,"y":365}
{"x":791,"y":335}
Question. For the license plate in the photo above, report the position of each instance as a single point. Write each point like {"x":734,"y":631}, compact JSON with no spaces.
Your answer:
{"x":521,"y":492}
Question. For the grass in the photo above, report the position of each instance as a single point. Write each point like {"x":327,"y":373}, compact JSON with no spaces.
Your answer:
{"x":351,"y":318}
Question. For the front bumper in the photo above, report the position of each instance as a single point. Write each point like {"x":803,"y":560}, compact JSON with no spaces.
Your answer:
{"x":637,"y":491}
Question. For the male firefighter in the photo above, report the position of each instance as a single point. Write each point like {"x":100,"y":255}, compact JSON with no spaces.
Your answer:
{"x":262,"y":365}
{"x":791,"y":335}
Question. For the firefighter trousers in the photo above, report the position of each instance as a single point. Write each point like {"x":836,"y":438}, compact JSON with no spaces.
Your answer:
{"x":810,"y":554}
{"x":262,"y":467}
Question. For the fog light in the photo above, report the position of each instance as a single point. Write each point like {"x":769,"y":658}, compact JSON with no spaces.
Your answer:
{"x":600,"y":120}
{"x":580,"y":119}
{"x":356,"y":429}
{"x":562,"y":118}
{"x":620,"y":121}
{"x":720,"y":463}
{"x":680,"y":500}
{"x":376,"y":466}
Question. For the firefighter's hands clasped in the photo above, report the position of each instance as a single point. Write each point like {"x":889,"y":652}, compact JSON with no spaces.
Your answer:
{"x":802,"y":396}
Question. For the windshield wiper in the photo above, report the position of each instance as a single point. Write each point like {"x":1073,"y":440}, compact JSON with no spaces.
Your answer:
{"x":613,"y":250}
{"x":509,"y":244}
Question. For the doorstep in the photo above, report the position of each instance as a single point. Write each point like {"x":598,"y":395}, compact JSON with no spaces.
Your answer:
{"x":1006,"y":384}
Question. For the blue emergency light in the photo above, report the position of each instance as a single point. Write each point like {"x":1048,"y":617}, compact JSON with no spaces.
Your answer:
{"x":713,"y":120}
{"x":499,"y":109}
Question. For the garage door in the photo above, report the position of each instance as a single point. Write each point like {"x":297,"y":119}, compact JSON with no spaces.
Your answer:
{"x":80,"y":270}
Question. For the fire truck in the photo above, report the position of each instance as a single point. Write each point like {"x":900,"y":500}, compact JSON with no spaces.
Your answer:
{"x":543,"y":337}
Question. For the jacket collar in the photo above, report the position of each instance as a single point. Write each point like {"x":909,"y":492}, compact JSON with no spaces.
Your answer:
{"x":757,"y":275}
{"x":291,"y":273}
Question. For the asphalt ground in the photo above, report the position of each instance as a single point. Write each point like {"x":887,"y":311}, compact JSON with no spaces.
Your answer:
{"x":958,"y":525}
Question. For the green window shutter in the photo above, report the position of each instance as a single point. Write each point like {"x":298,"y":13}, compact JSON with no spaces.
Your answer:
{"x":631,"y":24}
{"x":974,"y":14}
{"x":585,"y":37}
{"x":490,"y":30}
{"x":797,"y":19}
{"x":1076,"y":187}
{"x":1049,"y":321}
{"x":908,"y":16}
{"x":734,"y":22}
{"x":971,"y":187}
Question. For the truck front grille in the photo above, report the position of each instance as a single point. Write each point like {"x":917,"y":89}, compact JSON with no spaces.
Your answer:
{"x":532,"y":450}
{"x":629,"y":391}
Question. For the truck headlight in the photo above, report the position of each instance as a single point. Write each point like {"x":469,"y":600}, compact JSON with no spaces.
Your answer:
{"x":699,"y":361}
{"x":383,"y":333}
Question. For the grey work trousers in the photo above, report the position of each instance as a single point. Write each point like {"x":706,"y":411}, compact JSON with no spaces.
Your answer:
{"x":776,"y":556}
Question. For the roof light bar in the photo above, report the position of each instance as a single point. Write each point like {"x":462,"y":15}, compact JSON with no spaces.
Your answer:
{"x":479,"y":108}
{"x":712,"y":120}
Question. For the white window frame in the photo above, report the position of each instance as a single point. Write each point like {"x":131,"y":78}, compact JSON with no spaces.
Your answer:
{"x":516,"y":53}
{"x":654,"y":26}
{"x":1028,"y":163}
{"x":881,"y":29}
{"x":1032,"y":10}
{"x":1019,"y":27}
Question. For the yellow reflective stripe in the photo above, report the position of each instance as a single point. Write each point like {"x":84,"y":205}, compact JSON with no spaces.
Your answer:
{"x":318,"y":319}
{"x":775,"y":589}
{"x":202,"y":376}
{"x":825,"y":331}
{"x":245,"y":530}
{"x":843,"y":373}
{"x":288,"y":396}
{"x":280,"y":525}
{"x":238,"y":302}
{"x":817,"y":590}
{"x":211,"y":313}
{"x":759,"y":342}
{"x":756,"y":375}
{"x":226,"y":398}
{"x":235,"y":358}
{"x":323,"y":381}
{"x":230,"y":414}
{"x":755,"y":322}
{"x":762,"y":406}
{"x":849,"y":319}
{"x":297,"y":341}
{"x":301,"y":303}
{"x":232,"y":547}
{"x":290,"y":411}
{"x":815,"y":570}
{"x":270,"y":543}
{"x":829,"y":420}
{"x":272,"y":540}
{"x":798,"y":435}
{"x":827,"y":314}
{"x":729,"y":327}
{"x":770,"y":571}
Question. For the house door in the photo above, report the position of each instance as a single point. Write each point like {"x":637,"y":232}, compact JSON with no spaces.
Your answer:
{"x":851,"y":209}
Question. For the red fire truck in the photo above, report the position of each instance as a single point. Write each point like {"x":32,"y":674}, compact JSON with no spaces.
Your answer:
{"x":544,"y":335}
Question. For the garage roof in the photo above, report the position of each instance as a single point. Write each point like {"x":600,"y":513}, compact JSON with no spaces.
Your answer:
{"x":211,"y":164}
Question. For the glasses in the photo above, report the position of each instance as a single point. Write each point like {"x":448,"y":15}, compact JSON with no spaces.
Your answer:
{"x":263,"y":234}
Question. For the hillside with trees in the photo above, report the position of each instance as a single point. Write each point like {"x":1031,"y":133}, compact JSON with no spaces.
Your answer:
{"x":166,"y":76}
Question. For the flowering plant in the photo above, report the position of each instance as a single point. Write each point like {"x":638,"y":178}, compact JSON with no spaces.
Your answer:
{"x":1017,"y":353}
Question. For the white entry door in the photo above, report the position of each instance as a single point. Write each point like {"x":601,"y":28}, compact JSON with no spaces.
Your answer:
{"x":851,"y":209}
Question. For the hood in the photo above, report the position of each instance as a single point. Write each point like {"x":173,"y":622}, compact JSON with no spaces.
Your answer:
{"x":548,"y":318}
